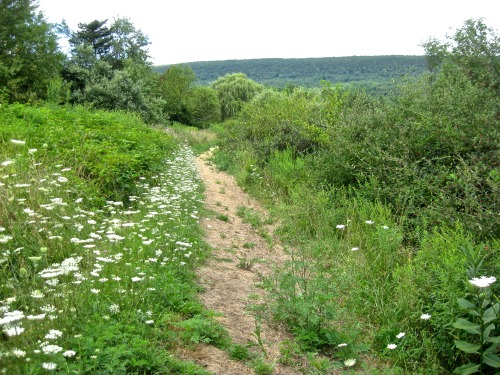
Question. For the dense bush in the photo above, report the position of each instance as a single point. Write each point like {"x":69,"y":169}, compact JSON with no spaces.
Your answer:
{"x":387,"y":203}
{"x":234,"y":91}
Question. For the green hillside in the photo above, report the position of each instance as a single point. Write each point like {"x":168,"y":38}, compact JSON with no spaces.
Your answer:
{"x":374,"y":72}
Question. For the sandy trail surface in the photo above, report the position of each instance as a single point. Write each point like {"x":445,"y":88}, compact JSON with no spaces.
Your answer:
{"x":241,"y":256}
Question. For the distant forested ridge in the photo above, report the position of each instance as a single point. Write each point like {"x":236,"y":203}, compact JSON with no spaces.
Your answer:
{"x":376,"y":73}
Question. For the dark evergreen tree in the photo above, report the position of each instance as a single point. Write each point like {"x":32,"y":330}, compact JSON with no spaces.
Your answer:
{"x":94,"y":34}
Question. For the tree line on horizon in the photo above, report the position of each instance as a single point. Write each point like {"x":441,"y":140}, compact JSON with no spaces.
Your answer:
{"x":374,"y":73}
{"x":108,"y":67}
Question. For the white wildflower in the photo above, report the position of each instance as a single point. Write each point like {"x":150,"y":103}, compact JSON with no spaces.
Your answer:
{"x":350,"y":362}
{"x":12,"y":316}
{"x":483,"y":281}
{"x":7,"y":162}
{"x":49,"y":366}
{"x":18,"y":352}
{"x":51,"y":349}
{"x":37,"y":294}
{"x":69,"y":353}
{"x":13,"y":331}
{"x":114,"y":308}
{"x":53,"y":334}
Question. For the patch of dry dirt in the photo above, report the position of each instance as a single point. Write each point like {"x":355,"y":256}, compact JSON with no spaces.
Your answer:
{"x":240,"y":257}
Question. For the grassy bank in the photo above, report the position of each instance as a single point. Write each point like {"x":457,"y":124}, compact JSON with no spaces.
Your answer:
{"x":99,"y":238}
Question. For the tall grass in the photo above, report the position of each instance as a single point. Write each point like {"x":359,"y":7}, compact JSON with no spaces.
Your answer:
{"x":91,"y":284}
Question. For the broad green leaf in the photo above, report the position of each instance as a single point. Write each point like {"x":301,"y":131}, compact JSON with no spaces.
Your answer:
{"x":467,"y":346}
{"x":469,"y":368}
{"x":491,"y":360}
{"x":491,"y":314}
{"x":467,"y":326}
{"x":495,"y":339}
{"x":487,"y":331}
{"x":469,"y":306}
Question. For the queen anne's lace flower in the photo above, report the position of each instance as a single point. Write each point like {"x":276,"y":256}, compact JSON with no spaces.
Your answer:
{"x":350,"y":362}
{"x":49,"y":366}
{"x":483,"y":281}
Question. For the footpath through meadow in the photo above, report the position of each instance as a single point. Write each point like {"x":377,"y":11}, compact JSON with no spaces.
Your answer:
{"x":241,"y":257}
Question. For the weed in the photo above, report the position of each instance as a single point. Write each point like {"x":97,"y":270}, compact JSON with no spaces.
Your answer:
{"x":223,"y":217}
{"x":245,"y":263}
{"x":262,"y":367}
{"x":239,"y":352}
{"x":99,"y":245}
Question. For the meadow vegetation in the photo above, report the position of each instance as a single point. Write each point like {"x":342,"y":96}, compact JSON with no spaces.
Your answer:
{"x":99,"y":238}
{"x":388,"y":206}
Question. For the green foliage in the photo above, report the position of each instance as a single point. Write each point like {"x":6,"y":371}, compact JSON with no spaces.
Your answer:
{"x":175,"y":87}
{"x":239,"y":353}
{"x":262,"y":367}
{"x":481,"y":309}
{"x":29,"y":55}
{"x":98,"y":286}
{"x":108,"y":70}
{"x":378,"y":206}
{"x":474,"y":48}
{"x":431,"y":153}
{"x":234,"y":91}
{"x":276,"y":121}
{"x":94,"y":34}
{"x":110,"y":150}
{"x":115,"y":45}
{"x":204,"y":106}
{"x":374,"y":73}
{"x":106,"y":88}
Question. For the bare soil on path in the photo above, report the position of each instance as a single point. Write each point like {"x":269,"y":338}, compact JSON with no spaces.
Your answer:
{"x":240,"y":257}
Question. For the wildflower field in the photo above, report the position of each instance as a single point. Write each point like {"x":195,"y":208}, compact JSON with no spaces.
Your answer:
{"x":98,"y":240}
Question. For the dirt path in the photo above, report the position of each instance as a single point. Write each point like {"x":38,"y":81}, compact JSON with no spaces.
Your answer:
{"x":240,"y":257}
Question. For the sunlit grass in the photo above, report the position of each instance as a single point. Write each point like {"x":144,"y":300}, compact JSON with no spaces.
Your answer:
{"x":86,"y":289}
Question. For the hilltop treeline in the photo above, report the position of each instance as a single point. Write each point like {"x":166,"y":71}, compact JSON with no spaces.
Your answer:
{"x":376,"y":73}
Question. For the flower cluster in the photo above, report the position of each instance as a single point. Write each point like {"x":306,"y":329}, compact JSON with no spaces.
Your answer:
{"x":105,"y":257}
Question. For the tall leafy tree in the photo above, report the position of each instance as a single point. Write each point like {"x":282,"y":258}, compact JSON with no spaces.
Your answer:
{"x":474,"y":48}
{"x":175,"y":87}
{"x":204,"y":106}
{"x":128,"y":43}
{"x":115,"y":44}
{"x":234,"y":90}
{"x":29,"y":54}
{"x":109,"y":69}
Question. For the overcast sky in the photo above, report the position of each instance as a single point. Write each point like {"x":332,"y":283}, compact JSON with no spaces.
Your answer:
{"x":204,"y":30}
